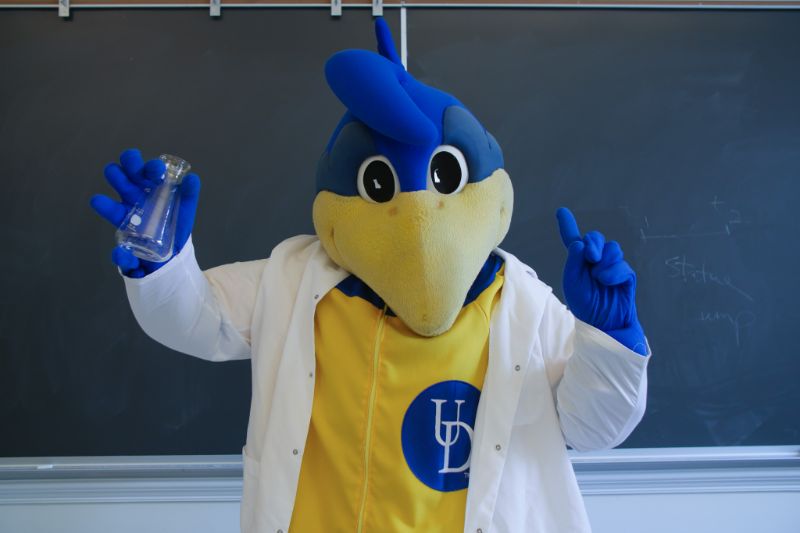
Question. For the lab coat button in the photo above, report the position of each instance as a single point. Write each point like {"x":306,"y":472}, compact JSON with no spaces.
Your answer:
{"x":295,"y":451}
{"x":479,"y":530}
{"x":498,"y":447}
{"x":316,"y":296}
{"x":517,"y":368}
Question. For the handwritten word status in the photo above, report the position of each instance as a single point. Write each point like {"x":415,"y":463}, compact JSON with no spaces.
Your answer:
{"x":688,"y":272}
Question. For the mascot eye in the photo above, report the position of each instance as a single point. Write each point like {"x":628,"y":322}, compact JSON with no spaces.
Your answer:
{"x":448,"y":170}
{"x":377,"y":180}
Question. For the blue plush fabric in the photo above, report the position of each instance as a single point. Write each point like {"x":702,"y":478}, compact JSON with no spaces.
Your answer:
{"x":405,"y":119}
{"x":385,"y":97}
{"x":462,"y":130}
{"x":338,"y":166}
{"x":385,"y":42}
{"x":129,"y":179}
{"x":600,"y":287}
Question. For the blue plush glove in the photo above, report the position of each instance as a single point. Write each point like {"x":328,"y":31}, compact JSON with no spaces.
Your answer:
{"x":600,"y":287}
{"x":130,"y":178}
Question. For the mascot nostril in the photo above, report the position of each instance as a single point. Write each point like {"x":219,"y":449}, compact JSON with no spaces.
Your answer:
{"x":374,"y":343}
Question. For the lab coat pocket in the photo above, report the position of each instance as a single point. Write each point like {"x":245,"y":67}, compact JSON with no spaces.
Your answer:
{"x":251,"y":469}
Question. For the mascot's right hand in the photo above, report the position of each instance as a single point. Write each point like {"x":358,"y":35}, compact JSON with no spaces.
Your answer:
{"x":130,"y":178}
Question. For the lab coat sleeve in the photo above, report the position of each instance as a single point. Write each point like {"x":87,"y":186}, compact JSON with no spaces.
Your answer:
{"x":205,"y":314}
{"x":599,"y":386}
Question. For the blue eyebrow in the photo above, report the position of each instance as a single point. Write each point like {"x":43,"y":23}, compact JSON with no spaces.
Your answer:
{"x":338,"y":166}
{"x":462,"y":130}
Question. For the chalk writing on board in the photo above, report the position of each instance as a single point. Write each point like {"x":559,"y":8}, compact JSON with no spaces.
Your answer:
{"x":687,"y":272}
{"x":726,"y":221}
{"x":734,"y":215}
{"x":738,"y":321}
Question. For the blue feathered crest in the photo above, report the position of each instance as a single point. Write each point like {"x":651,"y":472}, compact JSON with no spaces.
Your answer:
{"x":388,"y":112}
{"x":379,"y":92}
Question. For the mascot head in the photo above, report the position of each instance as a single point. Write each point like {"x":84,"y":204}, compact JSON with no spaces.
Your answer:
{"x":411,"y":192}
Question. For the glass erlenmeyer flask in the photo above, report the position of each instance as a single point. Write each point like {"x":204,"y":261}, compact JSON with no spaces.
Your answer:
{"x":148,"y":230}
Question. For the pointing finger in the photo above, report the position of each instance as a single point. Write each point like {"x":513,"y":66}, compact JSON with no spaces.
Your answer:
{"x":567,"y":226}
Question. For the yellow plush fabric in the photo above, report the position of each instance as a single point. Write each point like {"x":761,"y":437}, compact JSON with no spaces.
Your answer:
{"x":369,"y":368}
{"x":422,"y":250}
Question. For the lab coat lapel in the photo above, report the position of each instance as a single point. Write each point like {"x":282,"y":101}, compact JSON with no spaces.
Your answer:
{"x":511,"y":339}
{"x":294,"y":392}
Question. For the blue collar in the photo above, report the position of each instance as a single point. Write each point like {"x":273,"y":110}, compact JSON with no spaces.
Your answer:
{"x":353,"y":286}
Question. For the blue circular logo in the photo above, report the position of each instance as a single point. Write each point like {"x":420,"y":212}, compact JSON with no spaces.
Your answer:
{"x":437,"y":434}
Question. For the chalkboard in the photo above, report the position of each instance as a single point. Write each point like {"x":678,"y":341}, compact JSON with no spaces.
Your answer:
{"x":676,"y":133}
{"x":244,"y":100}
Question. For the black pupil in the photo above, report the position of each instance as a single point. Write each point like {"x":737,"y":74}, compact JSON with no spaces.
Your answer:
{"x":379,"y":181}
{"x":445,"y":172}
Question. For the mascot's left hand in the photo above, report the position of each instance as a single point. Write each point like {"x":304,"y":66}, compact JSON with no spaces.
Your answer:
{"x":600,"y":287}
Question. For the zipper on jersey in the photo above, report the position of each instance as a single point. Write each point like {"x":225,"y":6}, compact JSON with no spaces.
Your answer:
{"x":371,"y":411}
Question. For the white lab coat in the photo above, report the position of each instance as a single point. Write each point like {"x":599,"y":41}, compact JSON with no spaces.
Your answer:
{"x":551,"y":381}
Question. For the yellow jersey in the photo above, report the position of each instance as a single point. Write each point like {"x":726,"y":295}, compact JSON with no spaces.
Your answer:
{"x":392,"y":421}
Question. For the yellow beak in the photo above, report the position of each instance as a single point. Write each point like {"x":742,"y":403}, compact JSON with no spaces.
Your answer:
{"x":421,"y":251}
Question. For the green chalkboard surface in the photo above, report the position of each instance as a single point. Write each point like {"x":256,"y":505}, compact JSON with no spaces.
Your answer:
{"x":675,"y":132}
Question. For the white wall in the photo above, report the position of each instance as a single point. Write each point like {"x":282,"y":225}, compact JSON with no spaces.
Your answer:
{"x":746,"y":512}
{"x":175,"y":517}
{"x":651,"y":513}
{"x":744,"y":490}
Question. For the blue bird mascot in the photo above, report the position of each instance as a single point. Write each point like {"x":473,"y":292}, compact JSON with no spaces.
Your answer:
{"x":408,"y":374}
